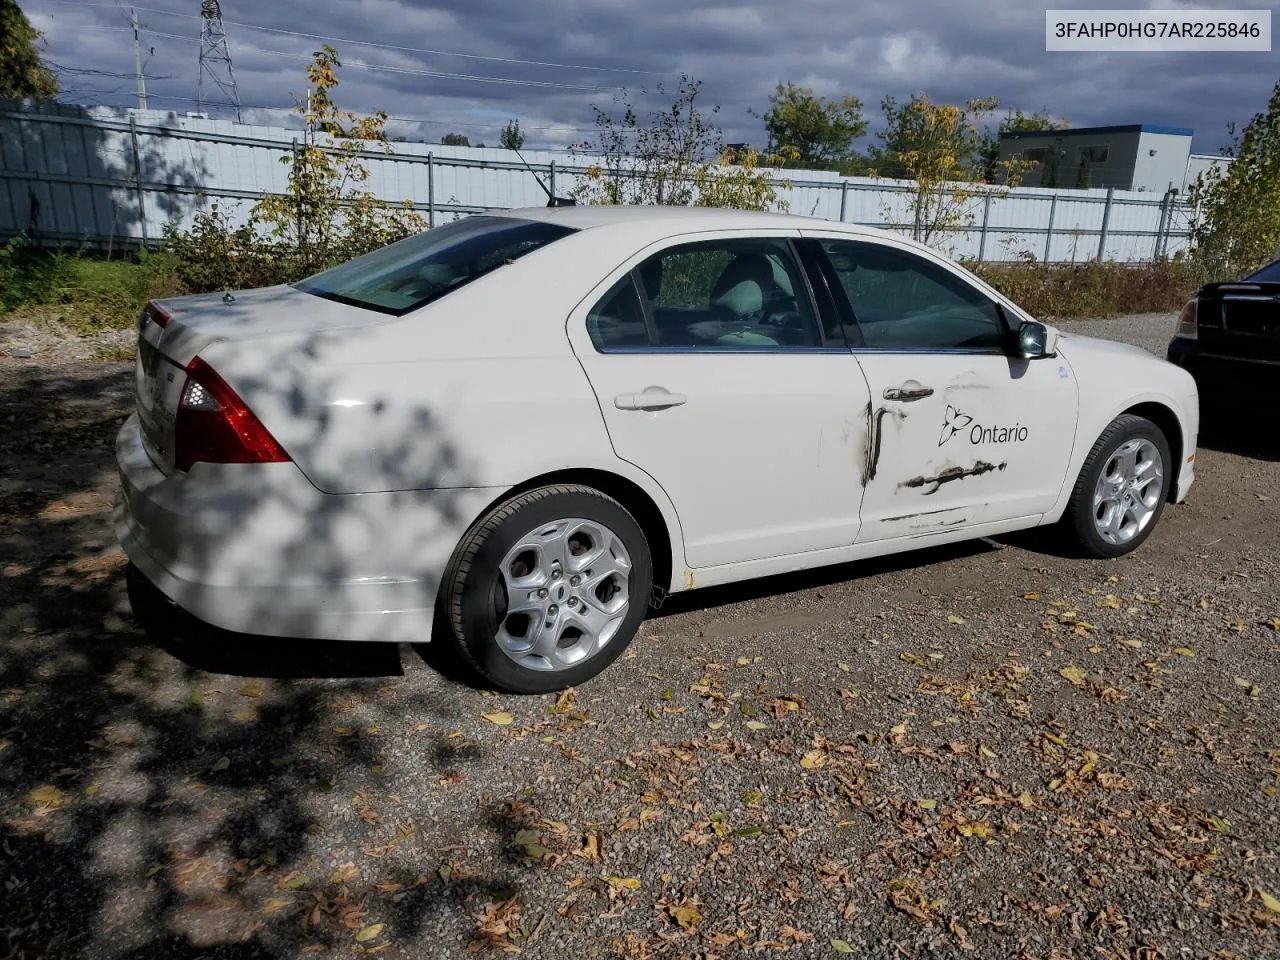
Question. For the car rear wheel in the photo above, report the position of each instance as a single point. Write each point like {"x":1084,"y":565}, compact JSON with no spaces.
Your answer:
{"x":549,"y":588}
{"x":1122,"y":488}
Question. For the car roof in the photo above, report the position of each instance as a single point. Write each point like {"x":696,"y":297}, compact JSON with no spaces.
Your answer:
{"x":591,"y":216}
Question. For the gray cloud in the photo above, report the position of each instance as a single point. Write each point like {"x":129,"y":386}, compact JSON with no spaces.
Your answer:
{"x":952,"y":51}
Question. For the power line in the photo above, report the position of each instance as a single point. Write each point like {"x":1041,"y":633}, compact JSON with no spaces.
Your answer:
{"x":372,"y":43}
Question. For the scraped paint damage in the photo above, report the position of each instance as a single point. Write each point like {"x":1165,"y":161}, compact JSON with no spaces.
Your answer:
{"x":950,"y":474}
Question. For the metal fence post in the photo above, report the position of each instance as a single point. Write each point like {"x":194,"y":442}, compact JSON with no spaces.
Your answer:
{"x":1106,"y":223}
{"x":137,"y":177}
{"x":431,"y":189}
{"x":982,"y":239}
{"x":1048,"y":234}
{"x":844,"y":198}
{"x":551,"y":180}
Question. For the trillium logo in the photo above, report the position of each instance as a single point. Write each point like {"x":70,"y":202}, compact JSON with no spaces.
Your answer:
{"x":953,"y":424}
{"x":958,"y":422}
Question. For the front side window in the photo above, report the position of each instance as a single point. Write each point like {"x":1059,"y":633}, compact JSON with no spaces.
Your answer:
{"x":728,"y":295}
{"x":903,"y":302}
{"x":411,"y":273}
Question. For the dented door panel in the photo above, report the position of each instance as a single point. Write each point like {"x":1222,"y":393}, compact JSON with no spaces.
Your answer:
{"x":992,"y":441}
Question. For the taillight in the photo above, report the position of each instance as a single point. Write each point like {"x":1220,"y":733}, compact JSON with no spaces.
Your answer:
{"x":214,"y":426}
{"x":1187,"y":320}
{"x":153,"y":313}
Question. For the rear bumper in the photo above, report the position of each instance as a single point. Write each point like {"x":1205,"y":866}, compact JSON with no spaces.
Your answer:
{"x":258,"y":549}
{"x":1222,"y":378}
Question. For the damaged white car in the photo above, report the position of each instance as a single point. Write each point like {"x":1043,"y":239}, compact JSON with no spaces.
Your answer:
{"x":516,"y":432}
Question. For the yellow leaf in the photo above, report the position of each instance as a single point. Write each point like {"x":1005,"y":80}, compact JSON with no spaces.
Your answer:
{"x":743,"y":662}
{"x":715,"y":724}
{"x":1133,"y":644}
{"x":274,"y":905}
{"x":623,"y":883}
{"x":370,"y":932}
{"x":1274,"y":623}
{"x":1268,"y":901}
{"x":1243,"y":684}
{"x":501,"y":718}
{"x":955,"y":619}
{"x":755,"y":725}
{"x":686,"y":914}
{"x":1184,"y":651}
{"x":47,"y":796}
{"x":987,"y":751}
{"x":1031,"y":596}
{"x":91,"y":789}
{"x":979,"y":828}
{"x":844,"y":667}
{"x":1074,"y":674}
{"x":841,"y":947}
{"x":246,"y":716}
{"x":927,"y":804}
{"x":813,"y":760}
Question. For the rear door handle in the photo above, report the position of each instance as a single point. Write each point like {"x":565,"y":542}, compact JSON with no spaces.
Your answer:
{"x":653,"y":398}
{"x":907,"y":392}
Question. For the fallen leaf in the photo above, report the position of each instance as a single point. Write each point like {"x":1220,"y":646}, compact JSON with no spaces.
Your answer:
{"x":813,"y":760}
{"x":1184,"y":651}
{"x":1031,"y":596}
{"x":501,"y":718}
{"x":715,"y":724}
{"x":841,"y":947}
{"x":1268,"y":901}
{"x":744,"y":662}
{"x":47,"y":796}
{"x":623,"y":883}
{"x":927,"y":804}
{"x":274,"y":905}
{"x":686,"y":914}
{"x":365,"y":934}
{"x":956,"y":620}
{"x":1074,"y":674}
{"x":222,"y":764}
{"x":844,"y":667}
{"x":755,"y":725}
{"x":91,"y":789}
{"x":1132,"y":644}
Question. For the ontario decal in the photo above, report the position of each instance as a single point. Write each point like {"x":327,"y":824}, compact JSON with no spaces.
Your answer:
{"x":958,"y":423}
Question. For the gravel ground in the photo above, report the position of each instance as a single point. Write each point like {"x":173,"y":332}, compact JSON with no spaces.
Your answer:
{"x":987,"y":750}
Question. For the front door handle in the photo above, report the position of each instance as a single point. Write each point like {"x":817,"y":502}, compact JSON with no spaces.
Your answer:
{"x":907,"y":392}
{"x":653,"y":398}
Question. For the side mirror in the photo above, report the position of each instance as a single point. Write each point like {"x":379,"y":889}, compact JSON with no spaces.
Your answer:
{"x":1035,"y":340}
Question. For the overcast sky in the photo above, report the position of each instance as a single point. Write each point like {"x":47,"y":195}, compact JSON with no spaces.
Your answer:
{"x":950,"y":49}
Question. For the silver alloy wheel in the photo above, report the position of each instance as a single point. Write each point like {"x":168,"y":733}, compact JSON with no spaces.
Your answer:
{"x":1129,"y":491}
{"x":564,"y":592}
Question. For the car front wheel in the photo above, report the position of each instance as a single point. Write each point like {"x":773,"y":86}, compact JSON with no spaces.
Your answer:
{"x":549,"y":588}
{"x":1122,"y":488}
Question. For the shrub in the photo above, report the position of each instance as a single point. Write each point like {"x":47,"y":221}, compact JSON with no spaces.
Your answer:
{"x":1094,"y":289}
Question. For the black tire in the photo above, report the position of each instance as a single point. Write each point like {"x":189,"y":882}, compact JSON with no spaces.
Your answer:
{"x":1078,"y":519}
{"x":471,"y":584}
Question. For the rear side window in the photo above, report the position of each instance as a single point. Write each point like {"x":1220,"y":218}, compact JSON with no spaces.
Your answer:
{"x":1268,"y":274}
{"x":411,"y":273}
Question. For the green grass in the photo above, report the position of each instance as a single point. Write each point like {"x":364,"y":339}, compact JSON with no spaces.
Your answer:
{"x":83,"y":293}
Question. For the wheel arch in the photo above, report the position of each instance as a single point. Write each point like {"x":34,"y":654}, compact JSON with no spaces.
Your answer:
{"x":1164,"y":418}
{"x":663,"y":535}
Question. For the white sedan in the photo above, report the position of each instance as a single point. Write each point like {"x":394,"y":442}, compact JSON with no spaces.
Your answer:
{"x":516,"y":432}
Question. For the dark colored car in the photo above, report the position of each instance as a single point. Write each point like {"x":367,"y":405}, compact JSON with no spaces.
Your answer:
{"x":1228,"y":337}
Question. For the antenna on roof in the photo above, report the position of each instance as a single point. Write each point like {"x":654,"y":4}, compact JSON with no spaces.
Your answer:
{"x":552,"y":199}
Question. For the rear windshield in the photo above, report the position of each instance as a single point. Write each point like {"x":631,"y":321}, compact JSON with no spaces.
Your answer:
{"x":1268,"y":274}
{"x":405,"y":275}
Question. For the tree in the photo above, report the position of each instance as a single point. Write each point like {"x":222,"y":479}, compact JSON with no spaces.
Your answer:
{"x":456,"y":140}
{"x":323,"y":218}
{"x":512,"y":137}
{"x":677,"y":158}
{"x":22,"y":72}
{"x":938,"y":146}
{"x":812,"y":132}
{"x":1236,"y":228}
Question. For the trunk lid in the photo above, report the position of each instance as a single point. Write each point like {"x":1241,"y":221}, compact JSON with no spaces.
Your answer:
{"x":171,"y":332}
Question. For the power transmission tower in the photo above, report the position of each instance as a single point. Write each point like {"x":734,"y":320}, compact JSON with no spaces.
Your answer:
{"x":215,"y":58}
